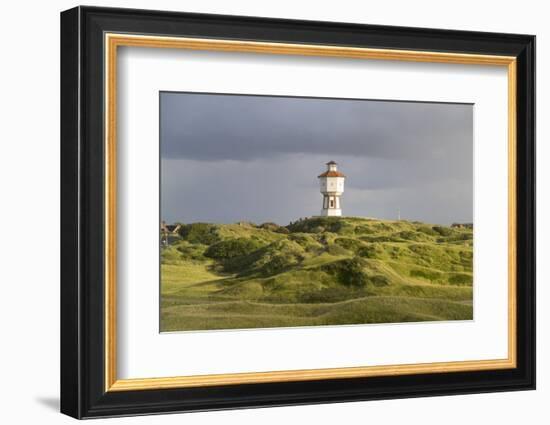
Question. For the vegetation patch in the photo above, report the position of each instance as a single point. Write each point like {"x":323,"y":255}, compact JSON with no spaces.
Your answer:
{"x":274,"y":227}
{"x":349,"y":272}
{"x":203,"y":233}
{"x":315,"y":271}
{"x":321,"y":224}
{"x":426,"y":274}
{"x":349,"y":243}
{"x":460,"y":279}
{"x":443,"y":231}
{"x":231,"y":248}
{"x":372,"y":250}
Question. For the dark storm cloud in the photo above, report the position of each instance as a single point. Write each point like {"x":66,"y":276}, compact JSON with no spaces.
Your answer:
{"x":210,"y":127}
{"x":229,"y":158}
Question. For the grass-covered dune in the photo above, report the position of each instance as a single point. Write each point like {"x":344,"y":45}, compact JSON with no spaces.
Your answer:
{"x":316,"y":271}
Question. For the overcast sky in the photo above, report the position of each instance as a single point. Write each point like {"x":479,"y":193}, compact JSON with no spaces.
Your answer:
{"x":226,"y":158}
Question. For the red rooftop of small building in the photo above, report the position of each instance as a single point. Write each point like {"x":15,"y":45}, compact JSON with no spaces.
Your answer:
{"x":331,"y":173}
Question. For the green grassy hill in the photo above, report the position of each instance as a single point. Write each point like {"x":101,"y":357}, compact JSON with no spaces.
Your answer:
{"x":316,"y":271}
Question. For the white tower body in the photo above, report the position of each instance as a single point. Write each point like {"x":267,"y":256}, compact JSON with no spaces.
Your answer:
{"x":332,"y":187}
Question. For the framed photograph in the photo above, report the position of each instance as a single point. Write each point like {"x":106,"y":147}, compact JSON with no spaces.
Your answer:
{"x":261,"y":212}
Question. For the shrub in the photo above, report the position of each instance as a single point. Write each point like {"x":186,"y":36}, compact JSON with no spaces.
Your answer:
{"x":266,"y":260}
{"x":231,"y":248}
{"x":460,"y":279}
{"x":203,"y":233}
{"x":459,"y":237}
{"x":427,"y":230}
{"x":321,"y":224}
{"x":311,"y":225}
{"x":443,"y":231}
{"x":370,"y":251}
{"x":269,"y":226}
{"x":341,"y":227}
{"x":277,"y":264}
{"x":274,"y":227}
{"x":348,"y":243}
{"x":348,"y":272}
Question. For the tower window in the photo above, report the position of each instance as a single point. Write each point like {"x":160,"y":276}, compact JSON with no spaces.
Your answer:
{"x":332,"y":203}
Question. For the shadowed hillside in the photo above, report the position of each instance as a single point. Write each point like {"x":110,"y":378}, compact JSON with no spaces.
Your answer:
{"x":317,"y":271}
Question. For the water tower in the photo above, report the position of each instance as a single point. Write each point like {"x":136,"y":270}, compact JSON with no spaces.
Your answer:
{"x":332,"y":187}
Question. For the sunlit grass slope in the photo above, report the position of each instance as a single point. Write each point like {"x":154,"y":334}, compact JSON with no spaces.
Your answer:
{"x":316,"y":271}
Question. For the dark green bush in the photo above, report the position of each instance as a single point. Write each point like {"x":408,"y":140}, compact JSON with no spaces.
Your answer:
{"x":427,"y":230}
{"x":277,"y":264}
{"x":370,"y":251}
{"x":203,"y":233}
{"x":460,"y":279}
{"x":443,"y":231}
{"x":349,"y":272}
{"x":266,"y":260}
{"x":274,"y":227}
{"x":459,"y":237}
{"x":321,"y":224}
{"x":231,"y":248}
{"x":269,"y":226}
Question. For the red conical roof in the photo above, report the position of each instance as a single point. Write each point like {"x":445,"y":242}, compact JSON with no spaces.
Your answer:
{"x":331,"y":174}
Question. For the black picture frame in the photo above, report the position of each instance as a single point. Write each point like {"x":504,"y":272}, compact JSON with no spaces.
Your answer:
{"x":83,"y":392}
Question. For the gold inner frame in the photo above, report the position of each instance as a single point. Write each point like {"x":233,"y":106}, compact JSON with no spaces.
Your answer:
{"x":113,"y":41}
